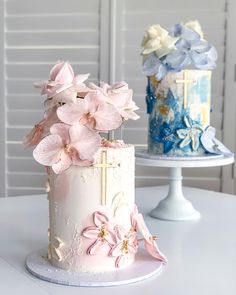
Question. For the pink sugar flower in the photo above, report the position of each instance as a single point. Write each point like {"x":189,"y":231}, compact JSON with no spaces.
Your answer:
{"x":120,"y":96}
{"x":92,"y":111}
{"x":61,"y":78}
{"x":42,"y":129}
{"x":149,"y":239}
{"x":99,"y":232}
{"x":67,"y":145}
{"x":125,"y":247}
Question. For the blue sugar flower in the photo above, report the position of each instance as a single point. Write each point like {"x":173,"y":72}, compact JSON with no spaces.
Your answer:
{"x":200,"y":52}
{"x":150,"y":97}
{"x":154,"y":66}
{"x":190,"y":48}
{"x":190,"y":134}
{"x":186,"y":36}
{"x":211,"y":144}
{"x":177,"y":60}
{"x":166,"y":134}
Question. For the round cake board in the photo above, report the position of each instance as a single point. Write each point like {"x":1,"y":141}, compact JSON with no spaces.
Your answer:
{"x":142,"y":268}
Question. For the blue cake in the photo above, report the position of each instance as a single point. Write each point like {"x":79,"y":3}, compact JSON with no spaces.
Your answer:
{"x":179,"y":113}
{"x":178,"y":66}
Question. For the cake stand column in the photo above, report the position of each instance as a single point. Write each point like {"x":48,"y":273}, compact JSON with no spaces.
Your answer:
{"x":175,"y":206}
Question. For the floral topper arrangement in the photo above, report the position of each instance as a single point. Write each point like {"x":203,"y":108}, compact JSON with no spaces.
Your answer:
{"x":174,"y":50}
{"x":76,"y":113}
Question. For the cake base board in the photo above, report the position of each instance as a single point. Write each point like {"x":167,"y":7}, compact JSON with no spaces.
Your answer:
{"x":142,"y":268}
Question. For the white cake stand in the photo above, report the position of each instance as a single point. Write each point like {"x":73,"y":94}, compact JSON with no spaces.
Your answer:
{"x":142,"y":268}
{"x":175,"y":206}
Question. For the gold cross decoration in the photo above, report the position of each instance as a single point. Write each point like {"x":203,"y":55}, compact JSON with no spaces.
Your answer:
{"x":104,"y":165}
{"x":185,"y":81}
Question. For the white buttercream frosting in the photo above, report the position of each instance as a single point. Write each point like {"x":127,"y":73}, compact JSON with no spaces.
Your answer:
{"x":73,"y":198}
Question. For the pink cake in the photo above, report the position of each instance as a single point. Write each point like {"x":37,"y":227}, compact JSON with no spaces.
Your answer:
{"x":93,"y":218}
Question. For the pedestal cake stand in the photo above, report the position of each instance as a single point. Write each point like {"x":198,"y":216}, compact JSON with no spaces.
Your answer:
{"x":175,"y":206}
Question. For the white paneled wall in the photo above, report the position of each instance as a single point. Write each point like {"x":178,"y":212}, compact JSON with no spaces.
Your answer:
{"x":101,"y":37}
{"x":37,"y":34}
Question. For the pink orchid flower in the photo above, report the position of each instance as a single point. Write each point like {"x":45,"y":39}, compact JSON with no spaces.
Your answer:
{"x":92,"y":111}
{"x":61,"y":78}
{"x":99,"y":232}
{"x":126,"y":245}
{"x":67,"y":145}
{"x":42,"y":129}
{"x":120,"y":96}
{"x":149,"y":239}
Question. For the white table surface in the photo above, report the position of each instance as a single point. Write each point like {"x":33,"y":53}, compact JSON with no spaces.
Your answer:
{"x":201,"y":254}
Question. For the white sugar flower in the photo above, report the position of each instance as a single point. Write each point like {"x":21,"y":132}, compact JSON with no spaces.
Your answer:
{"x":189,"y":135}
{"x":158,"y":40}
{"x":195,"y":26}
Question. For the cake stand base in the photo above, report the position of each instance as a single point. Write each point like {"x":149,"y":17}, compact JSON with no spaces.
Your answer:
{"x":143,"y":267}
{"x":175,"y":206}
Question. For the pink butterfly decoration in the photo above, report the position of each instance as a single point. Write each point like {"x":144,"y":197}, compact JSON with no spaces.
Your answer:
{"x":120,"y":96}
{"x":61,"y":78}
{"x":93,"y":111}
{"x":67,"y":145}
{"x":99,"y":233}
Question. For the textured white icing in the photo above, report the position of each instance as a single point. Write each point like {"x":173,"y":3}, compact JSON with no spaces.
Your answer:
{"x":74,"y":196}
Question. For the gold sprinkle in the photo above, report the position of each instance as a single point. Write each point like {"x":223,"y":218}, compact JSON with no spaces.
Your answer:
{"x":154,"y":81}
{"x":164,"y":110}
{"x":102,"y":232}
{"x":125,"y":246}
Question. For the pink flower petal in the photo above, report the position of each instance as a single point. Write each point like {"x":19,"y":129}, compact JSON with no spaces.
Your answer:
{"x":79,"y":79}
{"x":63,"y":163}
{"x":65,"y":73}
{"x":34,"y":136}
{"x":142,"y":227}
{"x":72,"y":113}
{"x":120,"y":86}
{"x":132,"y":249}
{"x":120,"y":261}
{"x":68,"y":95}
{"x":107,"y":117}
{"x":149,"y":243}
{"x":116,"y":250}
{"x":119,"y":231}
{"x":109,"y":237}
{"x":62,"y":130}
{"x":155,"y":252}
{"x":91,"y":232}
{"x":100,"y":218}
{"x":85,"y":141}
{"x":55,"y":70}
{"x":94,"y":247}
{"x":48,"y":151}
{"x":61,"y":88}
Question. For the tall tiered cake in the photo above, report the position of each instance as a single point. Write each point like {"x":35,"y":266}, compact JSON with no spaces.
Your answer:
{"x":178,"y":63}
{"x":93,"y":218}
